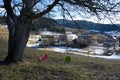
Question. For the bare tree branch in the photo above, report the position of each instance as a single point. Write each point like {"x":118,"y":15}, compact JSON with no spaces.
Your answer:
{"x":70,"y":16}
{"x":2,"y":10}
{"x":50,"y":7}
{"x":95,"y":6}
{"x":1,"y":6}
{"x":9,"y":10}
{"x":110,"y":19}
{"x":30,"y":4}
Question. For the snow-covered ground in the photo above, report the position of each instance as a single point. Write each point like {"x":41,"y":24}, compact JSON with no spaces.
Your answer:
{"x":50,"y":33}
{"x":113,"y":33}
{"x":83,"y":52}
{"x":92,"y":51}
{"x":33,"y":45}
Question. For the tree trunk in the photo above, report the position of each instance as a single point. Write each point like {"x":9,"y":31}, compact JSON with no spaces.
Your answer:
{"x":18,"y":37}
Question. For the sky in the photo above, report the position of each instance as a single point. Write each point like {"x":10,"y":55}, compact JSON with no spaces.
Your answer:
{"x":93,"y":18}
{"x":115,"y":19}
{"x":77,"y":17}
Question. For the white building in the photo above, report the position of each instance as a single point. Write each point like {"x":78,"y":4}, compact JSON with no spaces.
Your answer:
{"x":71,"y":37}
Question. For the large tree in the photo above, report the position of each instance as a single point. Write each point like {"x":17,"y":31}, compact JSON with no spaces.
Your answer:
{"x":20,"y":14}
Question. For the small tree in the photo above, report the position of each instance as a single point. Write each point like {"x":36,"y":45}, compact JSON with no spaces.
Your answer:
{"x":20,"y":14}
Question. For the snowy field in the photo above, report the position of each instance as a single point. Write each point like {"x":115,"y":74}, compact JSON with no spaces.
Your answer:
{"x":76,"y":51}
{"x":92,"y":51}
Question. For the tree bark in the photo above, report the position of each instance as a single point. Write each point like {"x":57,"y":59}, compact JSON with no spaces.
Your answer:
{"x":18,"y":37}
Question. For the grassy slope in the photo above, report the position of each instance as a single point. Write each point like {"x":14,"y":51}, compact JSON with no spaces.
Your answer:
{"x":80,"y":68}
{"x":3,"y":33}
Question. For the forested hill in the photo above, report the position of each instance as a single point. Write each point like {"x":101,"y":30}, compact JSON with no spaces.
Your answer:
{"x":59,"y":25}
{"x":48,"y":23}
{"x":41,"y":24}
{"x":82,"y":24}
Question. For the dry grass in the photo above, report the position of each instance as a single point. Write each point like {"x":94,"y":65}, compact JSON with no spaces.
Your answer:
{"x":55,"y":68}
{"x":3,"y":33}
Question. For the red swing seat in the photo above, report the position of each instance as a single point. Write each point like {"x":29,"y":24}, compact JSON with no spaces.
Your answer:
{"x":42,"y":58}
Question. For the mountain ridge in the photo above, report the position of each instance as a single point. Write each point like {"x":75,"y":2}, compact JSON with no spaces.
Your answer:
{"x":82,"y":24}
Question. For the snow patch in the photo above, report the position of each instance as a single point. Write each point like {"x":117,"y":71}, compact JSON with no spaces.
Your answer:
{"x":113,"y":33}
{"x":79,"y":51}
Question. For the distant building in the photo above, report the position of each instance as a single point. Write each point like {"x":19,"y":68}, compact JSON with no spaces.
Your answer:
{"x":97,"y":39}
{"x":47,"y":40}
{"x":83,"y":39}
{"x":71,"y":37}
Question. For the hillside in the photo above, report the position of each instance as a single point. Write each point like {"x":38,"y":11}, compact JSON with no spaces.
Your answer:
{"x":41,"y":24}
{"x":46,"y":23}
{"x":82,"y":24}
{"x":55,"y":68}
{"x":59,"y":25}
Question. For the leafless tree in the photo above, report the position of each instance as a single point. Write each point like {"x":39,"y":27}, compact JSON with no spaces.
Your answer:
{"x":20,"y":14}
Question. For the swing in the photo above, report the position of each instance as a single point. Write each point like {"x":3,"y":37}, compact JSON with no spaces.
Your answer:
{"x":45,"y":56}
{"x":67,"y":58}
{"x":42,"y":58}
